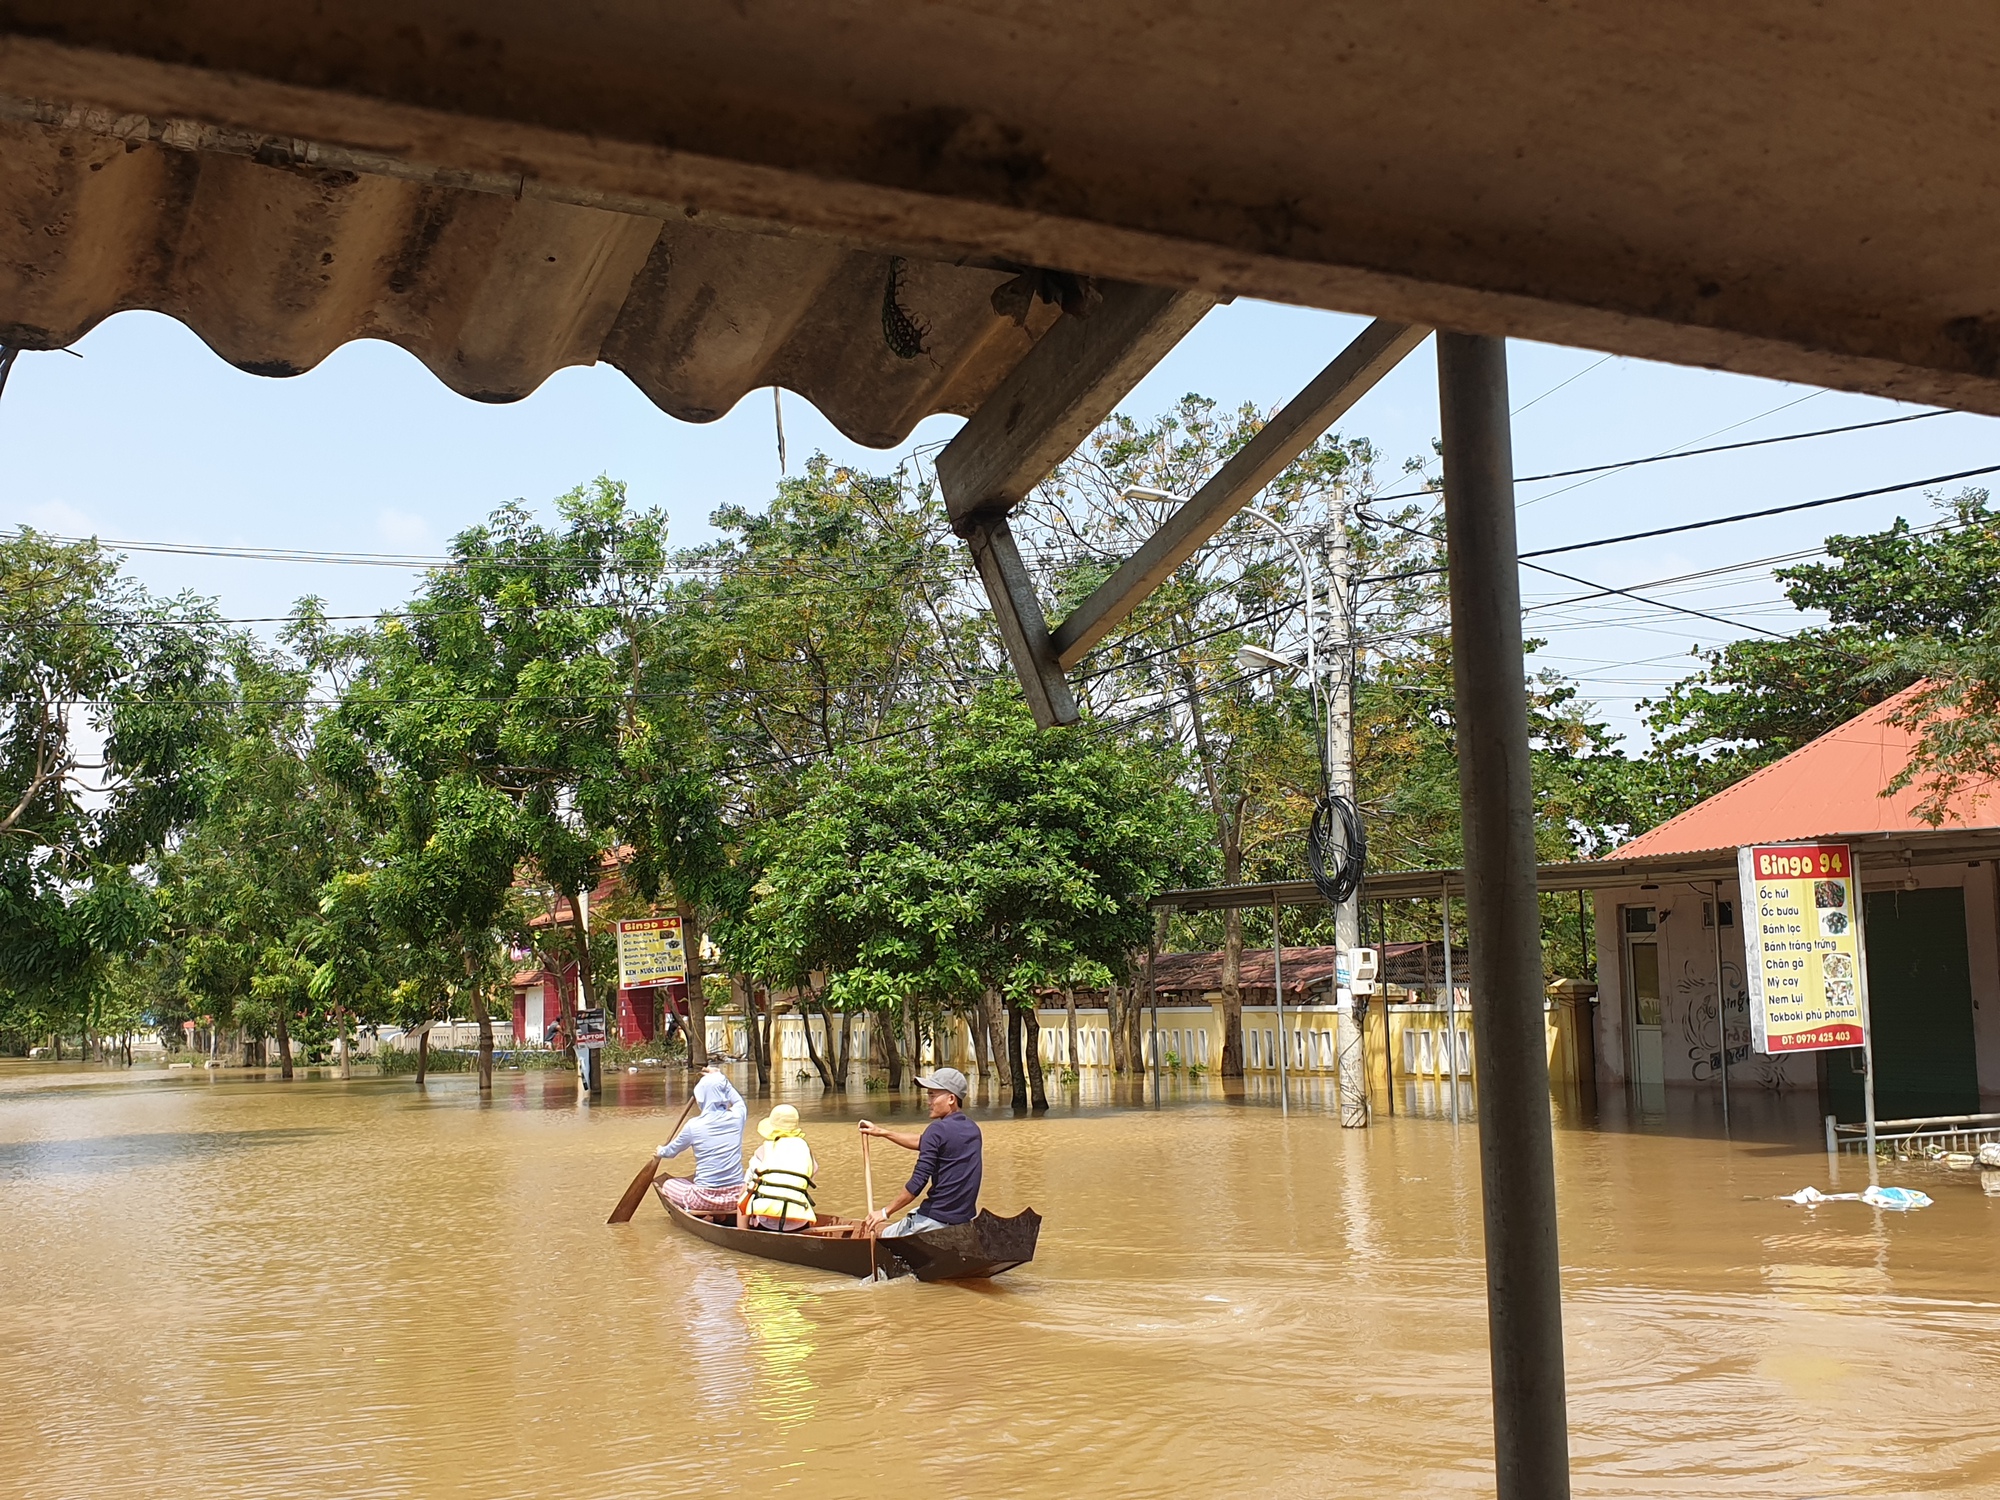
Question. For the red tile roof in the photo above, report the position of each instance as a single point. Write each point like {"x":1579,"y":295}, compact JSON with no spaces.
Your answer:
{"x":1306,"y":969}
{"x":1831,"y":786}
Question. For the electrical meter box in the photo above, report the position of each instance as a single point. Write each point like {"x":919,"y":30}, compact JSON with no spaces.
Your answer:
{"x":1365,"y":966}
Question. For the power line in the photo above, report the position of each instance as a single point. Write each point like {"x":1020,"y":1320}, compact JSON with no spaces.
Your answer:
{"x":1671,"y":454}
{"x":1789,"y":437}
{"x":1686,"y":526}
{"x":1756,"y":515}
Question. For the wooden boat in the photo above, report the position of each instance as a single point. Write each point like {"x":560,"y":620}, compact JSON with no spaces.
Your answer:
{"x":958,"y":1252}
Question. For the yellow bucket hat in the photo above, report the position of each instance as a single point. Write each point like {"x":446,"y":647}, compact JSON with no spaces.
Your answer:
{"x":782,"y":1120}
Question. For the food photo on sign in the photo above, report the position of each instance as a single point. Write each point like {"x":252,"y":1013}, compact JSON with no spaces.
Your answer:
{"x":1802,"y":946}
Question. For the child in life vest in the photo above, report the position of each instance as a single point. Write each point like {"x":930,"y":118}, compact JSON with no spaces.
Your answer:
{"x":778,"y":1183}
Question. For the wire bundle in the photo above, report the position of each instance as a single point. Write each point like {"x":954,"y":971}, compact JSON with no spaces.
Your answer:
{"x":1337,"y":848}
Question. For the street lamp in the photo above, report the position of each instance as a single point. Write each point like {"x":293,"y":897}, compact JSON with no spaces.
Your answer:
{"x":1256,"y":658}
{"x":1336,"y":823}
{"x":1253,"y":659}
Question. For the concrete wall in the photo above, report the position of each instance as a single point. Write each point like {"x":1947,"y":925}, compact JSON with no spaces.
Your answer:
{"x":1415,"y":1040}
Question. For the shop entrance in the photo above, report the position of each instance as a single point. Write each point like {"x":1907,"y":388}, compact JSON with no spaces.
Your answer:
{"x":1920,"y":1006}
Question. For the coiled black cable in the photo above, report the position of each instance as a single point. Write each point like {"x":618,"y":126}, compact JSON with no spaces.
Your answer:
{"x":1337,"y":848}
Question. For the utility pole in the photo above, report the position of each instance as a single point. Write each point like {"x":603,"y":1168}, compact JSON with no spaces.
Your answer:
{"x":1337,"y":746}
{"x":1349,"y":1035}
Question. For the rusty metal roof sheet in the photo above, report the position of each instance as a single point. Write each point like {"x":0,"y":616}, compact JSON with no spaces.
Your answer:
{"x":276,"y":252}
{"x":1831,"y":787}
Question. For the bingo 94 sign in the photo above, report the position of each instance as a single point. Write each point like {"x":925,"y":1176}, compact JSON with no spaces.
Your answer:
{"x":1802,"y":936}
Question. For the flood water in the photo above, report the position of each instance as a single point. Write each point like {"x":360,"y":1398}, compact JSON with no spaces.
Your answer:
{"x":223,"y":1286}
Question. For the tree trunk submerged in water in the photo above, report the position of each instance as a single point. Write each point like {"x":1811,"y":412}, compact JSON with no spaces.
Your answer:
{"x":992,"y":1031}
{"x":1232,"y":995}
{"x":886,"y":1028}
{"x":1031,"y":1035}
{"x":697,"y":1000}
{"x":822,"y":1065}
{"x":1069,"y":1016}
{"x":1018,"y":1084}
{"x":485,"y":1020}
{"x":284,"y":1042}
{"x":423,"y":1053}
{"x":982,"y":1045}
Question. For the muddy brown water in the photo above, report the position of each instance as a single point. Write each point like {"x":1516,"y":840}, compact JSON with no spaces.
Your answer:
{"x":219,"y":1286}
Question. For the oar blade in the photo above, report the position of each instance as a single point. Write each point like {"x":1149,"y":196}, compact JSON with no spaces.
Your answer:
{"x":636,"y":1193}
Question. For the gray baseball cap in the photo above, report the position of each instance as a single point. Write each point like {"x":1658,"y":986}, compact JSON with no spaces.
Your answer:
{"x":948,"y":1079}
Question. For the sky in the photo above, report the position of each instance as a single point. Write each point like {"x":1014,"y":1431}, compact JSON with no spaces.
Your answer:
{"x":144,"y":435}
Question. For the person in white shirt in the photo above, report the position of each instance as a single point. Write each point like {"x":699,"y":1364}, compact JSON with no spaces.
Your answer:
{"x":715,"y":1135}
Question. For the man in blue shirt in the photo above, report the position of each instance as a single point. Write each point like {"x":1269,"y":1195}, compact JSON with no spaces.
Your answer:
{"x":949,"y":1158}
{"x":716,"y":1134}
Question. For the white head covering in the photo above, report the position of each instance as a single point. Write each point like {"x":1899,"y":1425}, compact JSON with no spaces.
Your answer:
{"x":716,"y":1093}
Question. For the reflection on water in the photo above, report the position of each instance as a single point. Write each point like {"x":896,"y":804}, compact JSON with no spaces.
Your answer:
{"x":221,"y":1286}
{"x":718,"y":1340}
{"x":773,"y":1308}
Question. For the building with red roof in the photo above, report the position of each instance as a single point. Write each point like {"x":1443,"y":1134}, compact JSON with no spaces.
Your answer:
{"x":1669,"y":942}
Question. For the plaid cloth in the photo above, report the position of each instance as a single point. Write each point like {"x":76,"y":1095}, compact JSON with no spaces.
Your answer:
{"x":690,"y":1199}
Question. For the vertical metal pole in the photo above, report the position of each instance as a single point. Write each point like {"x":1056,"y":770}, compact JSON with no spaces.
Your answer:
{"x":1516,"y":1153}
{"x":1278,"y":990}
{"x":1721,"y":1004}
{"x":1867,"y":1021}
{"x":1153,"y":987}
{"x":1450,"y":1007}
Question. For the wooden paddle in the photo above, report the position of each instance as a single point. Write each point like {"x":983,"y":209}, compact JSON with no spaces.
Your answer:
{"x":868,"y":1191}
{"x":629,"y":1204}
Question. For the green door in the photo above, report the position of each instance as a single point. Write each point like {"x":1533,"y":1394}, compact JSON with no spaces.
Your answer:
{"x":1920,"y":1005}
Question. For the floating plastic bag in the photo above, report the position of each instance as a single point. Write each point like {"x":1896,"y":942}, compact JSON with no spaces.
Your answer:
{"x":1899,"y":1199}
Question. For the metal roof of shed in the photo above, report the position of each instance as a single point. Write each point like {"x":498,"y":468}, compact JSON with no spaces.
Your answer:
{"x":1803,"y":193}
{"x":276,"y":251}
{"x":1834,"y":786}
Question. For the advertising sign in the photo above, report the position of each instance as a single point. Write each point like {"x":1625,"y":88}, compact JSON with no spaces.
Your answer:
{"x":590,"y":1027}
{"x":1802,"y":946}
{"x":650,"y":952}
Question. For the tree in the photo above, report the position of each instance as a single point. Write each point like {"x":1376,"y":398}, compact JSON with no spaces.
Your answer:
{"x":808,"y":636}
{"x":1895,"y":602}
{"x":505,"y":706}
{"x":241,"y":890}
{"x":1251,"y":746}
{"x":87,"y":657}
{"x":988,"y":857}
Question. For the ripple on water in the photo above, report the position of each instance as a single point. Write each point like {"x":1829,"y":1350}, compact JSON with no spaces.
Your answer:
{"x":318,"y":1290}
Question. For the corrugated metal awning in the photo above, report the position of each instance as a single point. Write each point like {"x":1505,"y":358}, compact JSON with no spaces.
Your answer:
{"x":277,"y":251}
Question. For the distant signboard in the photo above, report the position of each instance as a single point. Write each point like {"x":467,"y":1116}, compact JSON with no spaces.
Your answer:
{"x":590,"y":1027}
{"x":650,"y":952}
{"x":1802,"y":946}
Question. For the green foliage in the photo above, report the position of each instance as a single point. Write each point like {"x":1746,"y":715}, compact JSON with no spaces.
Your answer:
{"x":989,"y":855}
{"x":1897,"y":603}
{"x":86,"y":656}
{"x":246,"y":932}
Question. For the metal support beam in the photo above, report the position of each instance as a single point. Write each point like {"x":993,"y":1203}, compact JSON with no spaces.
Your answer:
{"x":1040,"y":415}
{"x":1516,"y":1156}
{"x":1052,"y":400}
{"x":1377,"y":350}
{"x":1023,"y":627}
